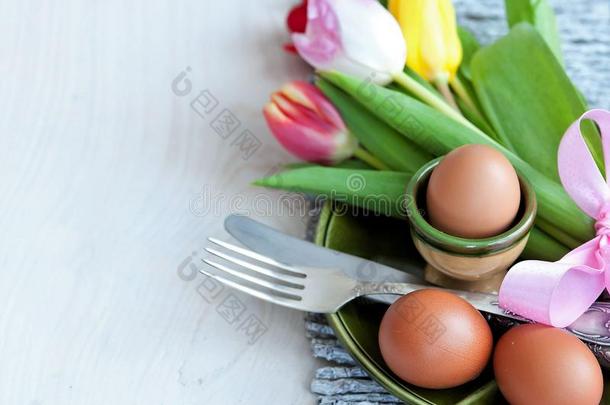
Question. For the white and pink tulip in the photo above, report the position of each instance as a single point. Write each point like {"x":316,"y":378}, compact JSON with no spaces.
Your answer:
{"x":356,"y":37}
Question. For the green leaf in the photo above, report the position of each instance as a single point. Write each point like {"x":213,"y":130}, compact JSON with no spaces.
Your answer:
{"x":474,"y":116}
{"x":541,"y":246}
{"x":381,"y":192}
{"x":528,"y":98}
{"x":352,"y":163}
{"x":470,"y":45}
{"x":540,"y":14}
{"x":380,"y":139}
{"x":438,"y":135}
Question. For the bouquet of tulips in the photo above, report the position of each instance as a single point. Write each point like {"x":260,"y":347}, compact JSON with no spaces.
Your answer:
{"x":400,"y":83}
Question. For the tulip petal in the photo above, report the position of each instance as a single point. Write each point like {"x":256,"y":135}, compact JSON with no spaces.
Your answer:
{"x":296,"y":21}
{"x":300,"y":115}
{"x":357,"y":37}
{"x":302,"y":141}
{"x":394,"y":8}
{"x":433,"y":47}
{"x":308,"y":125}
{"x":321,"y":43}
{"x":370,"y":36}
{"x":311,"y":97}
{"x":273,"y":113}
{"x":452,"y":40}
{"x":412,"y":26}
{"x":430,"y":29}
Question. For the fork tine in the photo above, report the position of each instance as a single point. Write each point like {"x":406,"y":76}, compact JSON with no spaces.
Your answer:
{"x":291,"y":292}
{"x":258,"y":257}
{"x":289,"y":280}
{"x":274,"y":299}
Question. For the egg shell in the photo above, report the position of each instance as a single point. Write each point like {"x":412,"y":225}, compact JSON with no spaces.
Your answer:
{"x":434,"y":339}
{"x":537,"y":364}
{"x":474,"y":193}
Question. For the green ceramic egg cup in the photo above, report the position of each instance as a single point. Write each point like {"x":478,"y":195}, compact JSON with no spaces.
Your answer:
{"x":461,"y":263}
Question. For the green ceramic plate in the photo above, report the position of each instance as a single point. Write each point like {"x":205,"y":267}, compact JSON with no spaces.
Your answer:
{"x":388,"y":241}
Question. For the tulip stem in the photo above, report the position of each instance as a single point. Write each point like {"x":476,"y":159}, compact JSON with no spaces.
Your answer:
{"x":443,"y":88}
{"x":371,"y":160}
{"x":432,"y":99}
{"x":460,"y":90}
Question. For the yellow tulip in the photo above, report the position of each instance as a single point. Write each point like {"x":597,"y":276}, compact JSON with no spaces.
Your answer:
{"x":430,"y":31}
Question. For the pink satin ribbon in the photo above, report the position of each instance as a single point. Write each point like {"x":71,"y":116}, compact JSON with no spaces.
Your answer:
{"x":558,"y":293}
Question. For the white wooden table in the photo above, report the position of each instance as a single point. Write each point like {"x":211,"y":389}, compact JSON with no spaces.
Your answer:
{"x":107,"y":176}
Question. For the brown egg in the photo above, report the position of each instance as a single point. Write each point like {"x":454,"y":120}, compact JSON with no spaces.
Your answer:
{"x":537,"y":364}
{"x":473,"y":193}
{"x":434,"y":339}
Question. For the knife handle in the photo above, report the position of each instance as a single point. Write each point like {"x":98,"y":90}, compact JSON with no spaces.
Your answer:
{"x":593,"y":328}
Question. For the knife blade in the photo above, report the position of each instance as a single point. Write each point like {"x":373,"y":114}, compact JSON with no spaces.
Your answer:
{"x":293,"y":251}
{"x":288,"y":249}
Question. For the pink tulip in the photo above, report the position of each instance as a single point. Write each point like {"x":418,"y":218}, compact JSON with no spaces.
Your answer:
{"x":308,"y":125}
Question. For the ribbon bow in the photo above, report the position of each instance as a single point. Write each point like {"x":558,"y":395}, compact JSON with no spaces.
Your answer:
{"x":558,"y":293}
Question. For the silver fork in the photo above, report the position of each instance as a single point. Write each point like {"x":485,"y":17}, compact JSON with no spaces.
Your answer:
{"x":322,"y":290}
{"x":325,"y":290}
